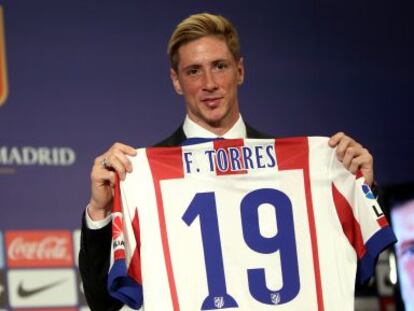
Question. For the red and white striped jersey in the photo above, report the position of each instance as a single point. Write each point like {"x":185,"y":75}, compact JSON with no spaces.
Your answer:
{"x":243,"y":224}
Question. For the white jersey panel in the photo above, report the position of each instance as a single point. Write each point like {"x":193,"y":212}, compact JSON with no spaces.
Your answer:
{"x":337,"y":257}
{"x":138,"y":195}
{"x":187,"y":244}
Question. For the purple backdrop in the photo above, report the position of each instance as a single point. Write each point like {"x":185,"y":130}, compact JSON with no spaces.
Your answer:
{"x":83,"y":74}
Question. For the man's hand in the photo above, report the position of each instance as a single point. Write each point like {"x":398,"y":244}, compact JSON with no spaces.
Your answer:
{"x":353,"y":156}
{"x":106,"y":166}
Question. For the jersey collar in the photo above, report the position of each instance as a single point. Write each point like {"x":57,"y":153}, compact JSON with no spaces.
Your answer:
{"x":192,"y":129}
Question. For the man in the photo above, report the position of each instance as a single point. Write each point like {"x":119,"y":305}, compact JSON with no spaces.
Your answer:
{"x":402,"y":217}
{"x":206,"y":69}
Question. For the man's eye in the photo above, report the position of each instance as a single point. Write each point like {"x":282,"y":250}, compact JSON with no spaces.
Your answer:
{"x":409,"y":251}
{"x":192,"y":71}
{"x":221,"y":66}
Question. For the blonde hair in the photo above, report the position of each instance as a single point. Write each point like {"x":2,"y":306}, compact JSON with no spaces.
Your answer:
{"x":200,"y":25}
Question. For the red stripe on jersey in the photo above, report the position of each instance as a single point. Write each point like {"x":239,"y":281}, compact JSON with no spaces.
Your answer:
{"x":382,"y":222}
{"x":349,"y":224}
{"x":117,"y":203}
{"x":166,"y":163}
{"x":224,"y":145}
{"x":134,"y":269}
{"x":291,"y":154}
{"x":359,"y":174}
{"x":119,"y":254}
{"x":117,"y":220}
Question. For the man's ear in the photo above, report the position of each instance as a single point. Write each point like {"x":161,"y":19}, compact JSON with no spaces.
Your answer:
{"x":175,"y":81}
{"x":240,"y":68}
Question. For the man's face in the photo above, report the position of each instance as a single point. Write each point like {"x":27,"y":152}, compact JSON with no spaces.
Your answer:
{"x":208,"y":77}
{"x":403,"y":223}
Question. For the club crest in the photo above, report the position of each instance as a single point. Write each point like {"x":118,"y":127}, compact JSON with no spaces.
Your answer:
{"x":3,"y":67}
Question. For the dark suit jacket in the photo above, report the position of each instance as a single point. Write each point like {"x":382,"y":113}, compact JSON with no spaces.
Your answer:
{"x":96,"y":245}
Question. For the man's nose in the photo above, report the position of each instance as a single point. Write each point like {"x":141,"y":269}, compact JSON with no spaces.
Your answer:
{"x":210,"y":83}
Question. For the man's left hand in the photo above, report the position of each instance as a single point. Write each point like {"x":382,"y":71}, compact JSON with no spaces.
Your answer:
{"x":353,"y":156}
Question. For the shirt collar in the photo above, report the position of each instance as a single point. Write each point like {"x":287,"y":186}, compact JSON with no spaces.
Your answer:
{"x":192,"y":129}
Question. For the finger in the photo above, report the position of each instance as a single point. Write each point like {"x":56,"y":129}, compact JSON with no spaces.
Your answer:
{"x":364,"y":160}
{"x":119,"y":162}
{"x":125,"y":149}
{"x":121,"y":157}
{"x":342,"y":146}
{"x":350,"y":154}
{"x":120,"y":152}
{"x":118,"y":166}
{"x":98,"y":167}
{"x":347,"y":159}
{"x":333,"y":141}
{"x":355,"y":165}
{"x":359,"y":164}
{"x":363,"y":163}
{"x":110,"y":178}
{"x":115,"y":159}
{"x":102,"y":186}
{"x":101,"y":176}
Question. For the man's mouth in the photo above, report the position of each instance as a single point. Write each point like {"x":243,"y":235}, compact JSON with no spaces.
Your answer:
{"x":212,"y":102}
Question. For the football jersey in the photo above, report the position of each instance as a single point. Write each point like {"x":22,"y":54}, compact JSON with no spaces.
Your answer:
{"x":243,"y":224}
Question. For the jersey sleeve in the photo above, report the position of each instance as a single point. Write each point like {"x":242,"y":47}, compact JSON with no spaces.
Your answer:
{"x":362,"y":220}
{"x":124,"y":277}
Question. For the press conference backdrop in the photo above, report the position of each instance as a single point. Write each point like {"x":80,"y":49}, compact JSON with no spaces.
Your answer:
{"x":76,"y":76}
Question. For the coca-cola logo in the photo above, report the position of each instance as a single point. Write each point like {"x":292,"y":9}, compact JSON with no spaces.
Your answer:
{"x":47,"y":248}
{"x":39,"y":248}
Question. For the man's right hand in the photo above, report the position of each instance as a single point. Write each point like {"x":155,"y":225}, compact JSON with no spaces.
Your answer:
{"x":106,"y":166}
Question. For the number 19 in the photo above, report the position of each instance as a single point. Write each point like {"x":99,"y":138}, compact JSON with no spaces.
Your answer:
{"x":204,"y":206}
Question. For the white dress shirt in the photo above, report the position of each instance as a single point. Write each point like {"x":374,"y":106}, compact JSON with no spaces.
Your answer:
{"x":191,"y":130}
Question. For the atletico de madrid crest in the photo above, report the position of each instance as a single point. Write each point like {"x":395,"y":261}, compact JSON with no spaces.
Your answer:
{"x":219,"y":302}
{"x":275,"y":298}
{"x":3,"y":67}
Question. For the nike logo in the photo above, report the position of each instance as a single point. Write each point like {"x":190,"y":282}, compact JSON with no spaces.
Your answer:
{"x":24,"y":293}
